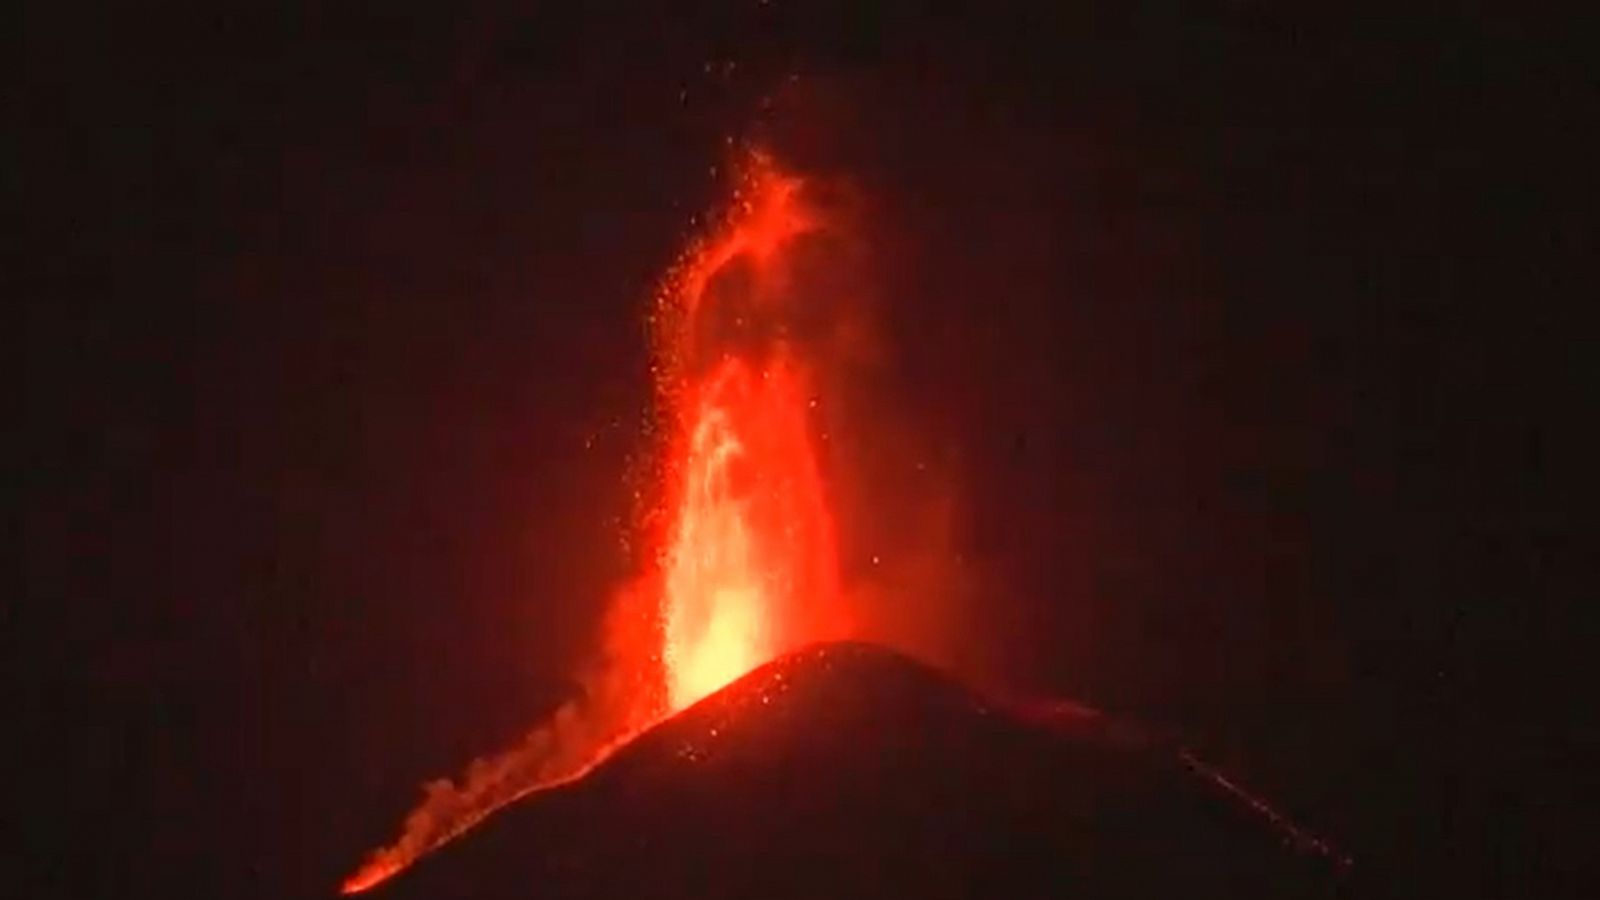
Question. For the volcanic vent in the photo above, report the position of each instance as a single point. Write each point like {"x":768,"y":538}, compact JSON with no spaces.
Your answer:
{"x":848,"y":770}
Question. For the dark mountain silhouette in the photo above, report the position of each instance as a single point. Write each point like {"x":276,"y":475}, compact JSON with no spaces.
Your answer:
{"x":849,"y":770}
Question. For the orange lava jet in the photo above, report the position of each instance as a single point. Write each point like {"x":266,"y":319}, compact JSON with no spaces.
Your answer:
{"x":752,"y":553}
{"x":746,"y":566}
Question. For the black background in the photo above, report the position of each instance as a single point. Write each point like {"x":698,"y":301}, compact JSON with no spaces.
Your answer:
{"x":1243,"y":337}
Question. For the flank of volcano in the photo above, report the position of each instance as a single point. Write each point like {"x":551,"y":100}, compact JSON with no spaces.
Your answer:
{"x":845,"y":769}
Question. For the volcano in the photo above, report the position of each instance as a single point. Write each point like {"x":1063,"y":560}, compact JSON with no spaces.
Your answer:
{"x":845,"y":769}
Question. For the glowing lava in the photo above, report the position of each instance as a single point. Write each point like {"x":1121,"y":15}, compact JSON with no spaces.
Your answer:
{"x":750,"y":568}
{"x":746,"y":567}
{"x":752,"y":552}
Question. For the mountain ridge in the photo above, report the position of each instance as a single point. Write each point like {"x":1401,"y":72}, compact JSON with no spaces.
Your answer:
{"x":846,"y":769}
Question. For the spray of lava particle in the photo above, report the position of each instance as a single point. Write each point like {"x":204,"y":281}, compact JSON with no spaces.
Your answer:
{"x":745,"y":565}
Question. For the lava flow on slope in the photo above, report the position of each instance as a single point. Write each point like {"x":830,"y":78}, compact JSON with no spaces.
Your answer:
{"x":744,"y":564}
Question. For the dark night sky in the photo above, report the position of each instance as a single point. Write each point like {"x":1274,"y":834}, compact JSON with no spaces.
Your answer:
{"x":1242,"y":338}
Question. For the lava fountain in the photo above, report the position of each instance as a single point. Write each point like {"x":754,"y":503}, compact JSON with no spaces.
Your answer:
{"x":744,"y":566}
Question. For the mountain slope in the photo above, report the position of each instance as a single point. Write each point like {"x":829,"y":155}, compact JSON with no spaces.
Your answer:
{"x":848,"y":770}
